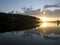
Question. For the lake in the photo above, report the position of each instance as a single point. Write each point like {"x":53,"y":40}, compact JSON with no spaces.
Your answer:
{"x":45,"y":34}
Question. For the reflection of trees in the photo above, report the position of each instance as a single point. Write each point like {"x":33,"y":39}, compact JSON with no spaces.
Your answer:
{"x":38,"y":32}
{"x":58,"y":22}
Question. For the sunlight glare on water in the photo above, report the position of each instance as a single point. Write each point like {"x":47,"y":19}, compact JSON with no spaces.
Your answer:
{"x":45,"y":24}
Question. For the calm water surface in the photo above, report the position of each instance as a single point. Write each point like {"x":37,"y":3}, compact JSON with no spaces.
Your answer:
{"x":45,"y":34}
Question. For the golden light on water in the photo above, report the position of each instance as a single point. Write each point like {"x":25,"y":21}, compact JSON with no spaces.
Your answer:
{"x":44,"y":19}
{"x":44,"y":24}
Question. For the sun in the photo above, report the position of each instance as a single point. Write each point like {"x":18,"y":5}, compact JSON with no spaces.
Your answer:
{"x":44,"y":24}
{"x":43,"y":18}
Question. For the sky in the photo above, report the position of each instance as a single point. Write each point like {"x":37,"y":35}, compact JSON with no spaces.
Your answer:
{"x":8,"y":5}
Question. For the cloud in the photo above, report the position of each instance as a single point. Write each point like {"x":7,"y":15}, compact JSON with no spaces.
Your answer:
{"x":50,"y":6}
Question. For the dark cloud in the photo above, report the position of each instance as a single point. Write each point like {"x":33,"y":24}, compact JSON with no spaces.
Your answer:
{"x":50,"y":6}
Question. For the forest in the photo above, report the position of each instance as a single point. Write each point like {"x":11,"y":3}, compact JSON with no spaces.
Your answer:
{"x":15,"y":22}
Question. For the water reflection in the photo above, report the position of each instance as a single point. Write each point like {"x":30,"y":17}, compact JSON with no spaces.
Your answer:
{"x":58,"y":23}
{"x":50,"y":30}
{"x":47,"y":33}
{"x":44,"y":24}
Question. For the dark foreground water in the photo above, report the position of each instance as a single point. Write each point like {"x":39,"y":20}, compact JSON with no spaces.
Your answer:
{"x":46,"y":34}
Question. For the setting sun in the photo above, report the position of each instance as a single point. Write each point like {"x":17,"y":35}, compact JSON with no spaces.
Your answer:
{"x":43,"y":18}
